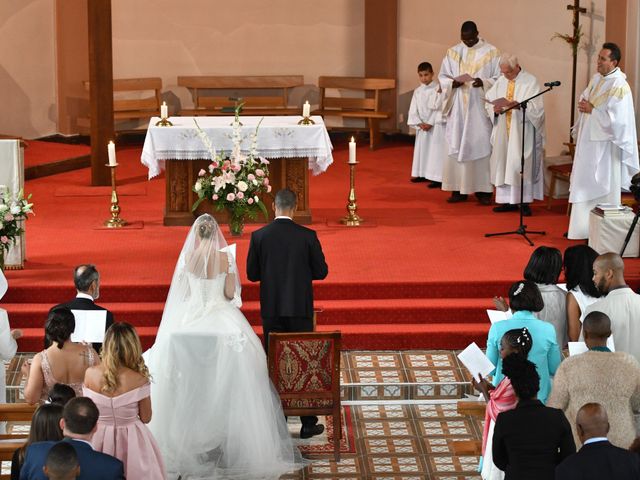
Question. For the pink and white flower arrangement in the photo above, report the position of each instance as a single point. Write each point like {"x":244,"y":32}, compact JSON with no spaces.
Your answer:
{"x":234,"y":181}
{"x":13,"y":211}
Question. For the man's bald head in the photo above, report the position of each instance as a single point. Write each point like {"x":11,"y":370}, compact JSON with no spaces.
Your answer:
{"x":608,"y":272}
{"x":597,"y":325}
{"x":592,"y":421}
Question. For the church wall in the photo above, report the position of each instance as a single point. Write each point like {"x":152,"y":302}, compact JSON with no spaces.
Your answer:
{"x":27,"y":68}
{"x":427,"y":28}
{"x":202,"y":37}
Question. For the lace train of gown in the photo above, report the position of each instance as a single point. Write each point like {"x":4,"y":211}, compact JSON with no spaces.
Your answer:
{"x":215,"y":412}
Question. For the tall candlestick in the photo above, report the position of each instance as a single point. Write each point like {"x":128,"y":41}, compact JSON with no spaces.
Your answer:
{"x":164,"y":110}
{"x":352,"y":151}
{"x":306,"y":109}
{"x":111,"y":150}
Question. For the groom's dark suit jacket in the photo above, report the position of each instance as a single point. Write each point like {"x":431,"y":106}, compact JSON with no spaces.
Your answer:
{"x":285,"y":257}
{"x":86,"y":304}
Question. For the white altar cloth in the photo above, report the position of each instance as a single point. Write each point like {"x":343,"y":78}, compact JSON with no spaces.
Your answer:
{"x":278,"y":137}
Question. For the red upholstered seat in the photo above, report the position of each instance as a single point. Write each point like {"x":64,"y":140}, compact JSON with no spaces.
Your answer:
{"x":305,"y":370}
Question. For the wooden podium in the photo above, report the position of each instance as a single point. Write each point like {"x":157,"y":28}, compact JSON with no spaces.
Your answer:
{"x":181,"y":175}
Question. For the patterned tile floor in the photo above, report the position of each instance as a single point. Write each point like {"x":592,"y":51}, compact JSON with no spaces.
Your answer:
{"x":403,"y":415}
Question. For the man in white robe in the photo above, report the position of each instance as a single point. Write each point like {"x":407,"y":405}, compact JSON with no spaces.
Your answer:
{"x":606,"y":155}
{"x":466,"y":168}
{"x":425,"y":115}
{"x":516,"y":85}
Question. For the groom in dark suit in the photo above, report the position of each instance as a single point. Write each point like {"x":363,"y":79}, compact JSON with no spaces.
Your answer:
{"x":285,"y":257}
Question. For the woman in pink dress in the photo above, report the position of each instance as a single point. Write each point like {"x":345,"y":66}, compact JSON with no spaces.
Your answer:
{"x":120,"y":388}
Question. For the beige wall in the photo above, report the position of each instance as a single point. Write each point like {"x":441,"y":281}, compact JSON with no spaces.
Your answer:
{"x":522,"y":28}
{"x":167,"y":38}
{"x":27,"y":68}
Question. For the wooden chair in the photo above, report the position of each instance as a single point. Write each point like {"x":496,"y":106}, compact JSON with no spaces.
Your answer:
{"x":469,"y":447}
{"x":305,"y":370}
{"x":562,"y":173}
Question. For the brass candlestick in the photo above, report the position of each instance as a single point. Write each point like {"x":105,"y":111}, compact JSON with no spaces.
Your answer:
{"x":306,"y":121}
{"x":352,"y":219}
{"x":115,"y":221}
{"x":164,"y":122}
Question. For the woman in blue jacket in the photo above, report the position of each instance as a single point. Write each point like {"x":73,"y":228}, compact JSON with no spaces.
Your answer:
{"x":524,"y":299}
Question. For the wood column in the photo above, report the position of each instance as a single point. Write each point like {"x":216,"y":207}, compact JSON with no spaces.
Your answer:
{"x":381,"y":52}
{"x":616,"y":26}
{"x":101,"y":91}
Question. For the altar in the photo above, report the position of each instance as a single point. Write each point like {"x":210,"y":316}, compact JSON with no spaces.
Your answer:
{"x":292,"y":150}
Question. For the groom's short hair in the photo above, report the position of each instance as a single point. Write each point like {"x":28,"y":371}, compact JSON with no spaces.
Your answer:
{"x":286,"y":199}
{"x":84,"y":275}
{"x":80,"y":415}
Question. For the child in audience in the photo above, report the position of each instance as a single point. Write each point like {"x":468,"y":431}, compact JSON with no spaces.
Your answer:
{"x":120,"y":388}
{"x":516,"y":342}
{"x":425,"y":115}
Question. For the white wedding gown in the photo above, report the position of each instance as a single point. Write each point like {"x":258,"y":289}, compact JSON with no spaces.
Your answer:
{"x":215,"y":412}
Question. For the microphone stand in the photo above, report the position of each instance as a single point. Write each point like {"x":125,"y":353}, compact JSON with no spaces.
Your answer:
{"x":522,"y":228}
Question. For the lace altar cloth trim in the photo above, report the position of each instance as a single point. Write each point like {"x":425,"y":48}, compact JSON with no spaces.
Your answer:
{"x":278,"y":137}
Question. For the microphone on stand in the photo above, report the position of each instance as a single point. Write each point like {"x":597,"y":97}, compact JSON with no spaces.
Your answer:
{"x":552,"y":84}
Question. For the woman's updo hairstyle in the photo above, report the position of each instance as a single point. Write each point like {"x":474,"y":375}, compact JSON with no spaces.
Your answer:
{"x":525,"y":295}
{"x":205,"y":230}
{"x":59,"y":326}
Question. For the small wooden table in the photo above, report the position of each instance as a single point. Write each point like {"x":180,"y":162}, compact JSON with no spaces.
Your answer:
{"x":292,"y":149}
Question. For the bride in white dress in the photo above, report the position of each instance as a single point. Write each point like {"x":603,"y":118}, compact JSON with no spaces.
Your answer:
{"x":215,"y":412}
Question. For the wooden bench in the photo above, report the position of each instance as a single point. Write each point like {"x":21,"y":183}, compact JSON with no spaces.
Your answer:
{"x":262,"y":95}
{"x":134,"y":99}
{"x":469,"y":447}
{"x":13,"y":412}
{"x":365,"y":106}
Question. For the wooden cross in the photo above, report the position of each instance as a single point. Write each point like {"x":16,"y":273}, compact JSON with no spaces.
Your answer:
{"x":577,"y":10}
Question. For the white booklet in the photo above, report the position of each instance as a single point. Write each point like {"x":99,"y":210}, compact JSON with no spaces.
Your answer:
{"x":576,"y":348}
{"x":464,"y":78}
{"x":90,"y":326}
{"x":231,"y":249}
{"x":475,"y":361}
{"x":497,"y":315}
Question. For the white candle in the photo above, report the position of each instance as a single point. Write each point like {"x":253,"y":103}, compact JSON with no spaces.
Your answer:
{"x":164,"y":110}
{"x":306,"y":109}
{"x":352,"y":151}
{"x":111,"y":149}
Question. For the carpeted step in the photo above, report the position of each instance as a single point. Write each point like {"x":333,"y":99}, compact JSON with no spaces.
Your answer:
{"x":354,"y":337}
{"x":369,"y":311}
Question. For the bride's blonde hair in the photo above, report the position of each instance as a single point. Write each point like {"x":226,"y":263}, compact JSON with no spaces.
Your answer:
{"x":121,"y":348}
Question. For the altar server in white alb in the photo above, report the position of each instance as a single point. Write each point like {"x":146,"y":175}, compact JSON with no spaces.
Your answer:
{"x":425,"y":115}
{"x":606,"y":155}
{"x":515,"y":85}
{"x":466,"y":168}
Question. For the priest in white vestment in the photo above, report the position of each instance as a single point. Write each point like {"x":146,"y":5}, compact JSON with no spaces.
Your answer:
{"x":468,"y":129}
{"x":513,"y":86}
{"x":606,"y":155}
{"x":425,"y":115}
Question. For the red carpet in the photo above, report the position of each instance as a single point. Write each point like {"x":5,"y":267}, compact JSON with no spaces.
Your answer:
{"x":420,"y":278}
{"x":40,"y":153}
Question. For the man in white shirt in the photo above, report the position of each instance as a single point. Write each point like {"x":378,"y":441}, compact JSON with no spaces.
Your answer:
{"x":606,"y":155}
{"x":621,"y":304}
{"x":468,"y":132}
{"x":515,"y":85}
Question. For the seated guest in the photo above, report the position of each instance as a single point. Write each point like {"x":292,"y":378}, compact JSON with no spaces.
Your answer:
{"x":581,"y":291}
{"x":597,"y":459}
{"x":87,"y":281}
{"x":525,"y":299}
{"x":120,"y":388}
{"x":45,"y":425}
{"x":621,"y":304}
{"x":514,"y":343}
{"x":61,"y":394}
{"x":79,"y":423}
{"x":63,"y":362}
{"x":544,"y":268}
{"x":8,"y":344}
{"x":62,"y":462}
{"x":610,"y":378}
{"x":530,"y":440}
